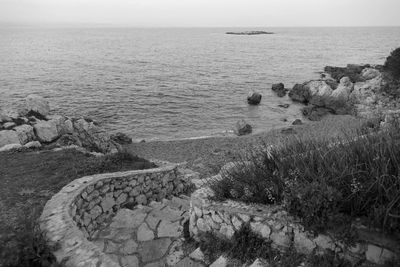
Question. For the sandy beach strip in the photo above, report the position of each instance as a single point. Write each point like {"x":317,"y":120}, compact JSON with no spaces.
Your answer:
{"x":207,"y":155}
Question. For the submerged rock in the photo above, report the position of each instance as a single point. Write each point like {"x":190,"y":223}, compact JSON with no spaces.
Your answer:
{"x":242,"y":128}
{"x":284,"y":105}
{"x":297,"y":122}
{"x":254,"y":98}
{"x":279,"y":89}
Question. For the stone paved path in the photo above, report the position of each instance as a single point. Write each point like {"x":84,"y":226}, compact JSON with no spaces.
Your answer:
{"x":148,"y":236}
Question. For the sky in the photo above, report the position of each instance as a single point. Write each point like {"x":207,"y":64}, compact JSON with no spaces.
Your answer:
{"x":202,"y":13}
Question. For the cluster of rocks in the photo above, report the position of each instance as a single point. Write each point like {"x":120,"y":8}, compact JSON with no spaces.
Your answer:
{"x":33,"y":126}
{"x":351,"y":90}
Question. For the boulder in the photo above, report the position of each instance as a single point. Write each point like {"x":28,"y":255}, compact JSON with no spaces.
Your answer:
{"x":37,"y":104}
{"x":339,"y":101}
{"x":299,"y":93}
{"x":93,"y":137}
{"x":352,"y":71}
{"x":64,"y":124}
{"x":121,"y":138}
{"x":314,"y":113}
{"x":25,"y":133}
{"x":254,"y":98}
{"x":4,"y":117}
{"x":68,"y":140}
{"x":8,"y":125}
{"x":8,"y":137}
{"x":9,"y":147}
{"x":279,"y":89}
{"x":319,"y":92}
{"x":297,"y":122}
{"x":368,"y":89}
{"x":46,"y":131}
{"x":370,"y":73}
{"x":11,"y":114}
{"x":33,"y":144}
{"x":344,"y":89}
{"x":242,"y":128}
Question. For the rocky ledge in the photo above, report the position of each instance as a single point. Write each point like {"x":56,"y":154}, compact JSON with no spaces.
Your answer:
{"x":250,"y":33}
{"x":32,"y":126}
{"x":355,"y":90}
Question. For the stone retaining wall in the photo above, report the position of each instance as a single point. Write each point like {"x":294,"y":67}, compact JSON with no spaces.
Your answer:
{"x":273,"y":223}
{"x":72,"y":216}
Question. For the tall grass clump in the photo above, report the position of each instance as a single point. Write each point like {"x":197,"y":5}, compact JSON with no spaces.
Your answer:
{"x":326,"y":183}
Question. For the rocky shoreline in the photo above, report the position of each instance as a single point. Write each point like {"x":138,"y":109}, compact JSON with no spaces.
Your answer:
{"x":357,"y":90}
{"x":33,"y":126}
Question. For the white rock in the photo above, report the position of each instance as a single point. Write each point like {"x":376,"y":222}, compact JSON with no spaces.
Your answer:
{"x":33,"y":144}
{"x":46,"y":131}
{"x":12,"y":114}
{"x":4,"y":117}
{"x":319,"y":88}
{"x":370,"y":73}
{"x":220,"y":262}
{"x":197,"y":255}
{"x":343,"y":91}
{"x":37,"y":104}
{"x":25,"y":133}
{"x":8,"y":137}
{"x":8,"y":125}
{"x":378,"y":255}
{"x":10,"y":147}
{"x":261,"y":229}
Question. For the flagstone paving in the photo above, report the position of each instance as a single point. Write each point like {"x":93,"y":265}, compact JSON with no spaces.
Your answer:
{"x":148,"y":236}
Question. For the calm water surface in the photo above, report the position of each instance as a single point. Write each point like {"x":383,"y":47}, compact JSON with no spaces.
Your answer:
{"x":176,"y":83}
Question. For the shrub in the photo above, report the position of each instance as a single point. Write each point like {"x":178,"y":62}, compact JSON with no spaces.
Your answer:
{"x":27,"y":245}
{"x":245,"y":246}
{"x":326,"y":183}
{"x":392,"y":64}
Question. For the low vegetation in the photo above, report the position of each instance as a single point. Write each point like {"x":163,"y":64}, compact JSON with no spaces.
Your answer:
{"x":246,"y":246}
{"x":28,"y":180}
{"x":326,"y":183}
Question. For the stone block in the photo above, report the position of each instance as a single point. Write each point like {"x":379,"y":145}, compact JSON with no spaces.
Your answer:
{"x":377,"y":254}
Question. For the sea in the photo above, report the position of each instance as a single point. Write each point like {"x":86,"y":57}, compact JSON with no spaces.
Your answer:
{"x":176,"y":83}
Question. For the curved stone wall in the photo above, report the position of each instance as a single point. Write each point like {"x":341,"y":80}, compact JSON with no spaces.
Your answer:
{"x":273,"y":223}
{"x":72,"y":216}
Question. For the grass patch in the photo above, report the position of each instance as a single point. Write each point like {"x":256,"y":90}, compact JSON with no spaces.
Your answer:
{"x":28,"y":180}
{"x":326,"y":186}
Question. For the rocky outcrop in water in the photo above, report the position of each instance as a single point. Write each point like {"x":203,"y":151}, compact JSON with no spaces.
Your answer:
{"x":355,"y":89}
{"x":279,"y":89}
{"x":33,"y":126}
{"x":250,"y":33}
{"x":254,"y":98}
{"x":243,"y":128}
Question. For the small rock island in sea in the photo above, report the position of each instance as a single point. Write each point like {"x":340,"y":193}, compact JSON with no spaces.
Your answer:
{"x":250,"y":33}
